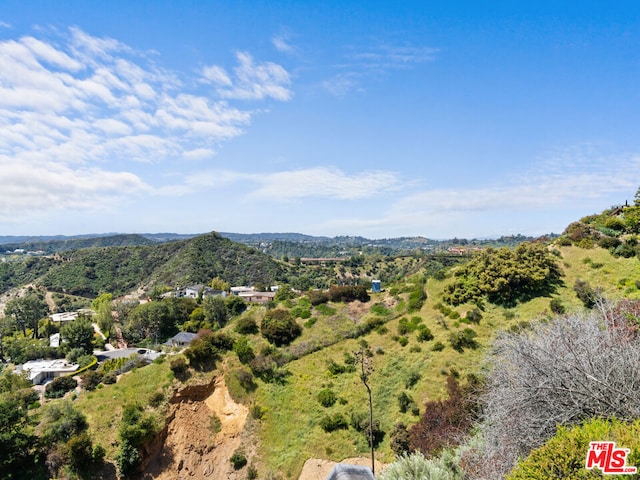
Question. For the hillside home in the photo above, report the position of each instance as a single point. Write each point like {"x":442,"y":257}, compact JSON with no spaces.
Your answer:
{"x":257,"y":297}
{"x":182,"y":339}
{"x":41,"y":371}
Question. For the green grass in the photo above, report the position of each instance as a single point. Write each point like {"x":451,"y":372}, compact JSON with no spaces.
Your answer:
{"x":289,"y":431}
{"x":103,"y":407}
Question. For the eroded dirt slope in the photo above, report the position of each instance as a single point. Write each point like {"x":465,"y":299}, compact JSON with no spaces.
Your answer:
{"x":192,"y":450}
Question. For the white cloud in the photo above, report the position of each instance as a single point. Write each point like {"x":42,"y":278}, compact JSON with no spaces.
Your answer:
{"x":281,"y":43}
{"x":72,"y":106}
{"x":320,"y":182}
{"x":250,"y":81}
{"x":28,"y":189}
{"x":376,"y":60}
{"x":4,"y":24}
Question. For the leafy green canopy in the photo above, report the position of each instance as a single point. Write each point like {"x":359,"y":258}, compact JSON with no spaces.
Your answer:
{"x":505,"y":276}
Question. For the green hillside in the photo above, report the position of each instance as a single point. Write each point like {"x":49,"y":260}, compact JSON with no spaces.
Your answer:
{"x":293,"y":362}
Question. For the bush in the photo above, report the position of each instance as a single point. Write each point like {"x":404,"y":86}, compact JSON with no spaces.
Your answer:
{"x":563,"y":456}
{"x":405,"y":402}
{"x":437,"y":346}
{"x":400,"y":443}
{"x":327,"y":397}
{"x":412,"y":379}
{"x":424,"y":334}
{"x":178,"y":366}
{"x":586,"y":293}
{"x":91,"y":379}
{"x":415,"y":466}
{"x":336,"y":422}
{"x":464,"y":339}
{"x":556,"y":306}
{"x":445,"y":422}
{"x":505,"y":276}
{"x":238,"y":460}
{"x":246,"y":326}
{"x":594,"y":357}
{"x":279,"y":327}
{"x":243,"y":350}
{"x":59,"y":386}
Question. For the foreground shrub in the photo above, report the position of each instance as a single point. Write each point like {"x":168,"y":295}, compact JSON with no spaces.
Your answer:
{"x":563,"y":456}
{"x":561,"y":372}
{"x":416,"y":467}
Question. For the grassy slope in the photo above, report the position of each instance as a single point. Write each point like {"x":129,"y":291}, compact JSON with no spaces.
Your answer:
{"x":290,"y":433}
{"x":103,"y":407}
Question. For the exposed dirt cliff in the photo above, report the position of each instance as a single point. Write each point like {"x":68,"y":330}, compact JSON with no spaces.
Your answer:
{"x":194,"y":446}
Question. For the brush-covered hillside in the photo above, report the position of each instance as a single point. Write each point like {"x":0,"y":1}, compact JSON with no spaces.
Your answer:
{"x":276,"y":390}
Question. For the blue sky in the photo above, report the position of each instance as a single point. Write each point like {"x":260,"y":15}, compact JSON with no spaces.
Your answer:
{"x":383,"y":119}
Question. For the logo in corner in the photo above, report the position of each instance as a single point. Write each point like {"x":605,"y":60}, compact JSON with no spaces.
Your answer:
{"x":609,"y":459}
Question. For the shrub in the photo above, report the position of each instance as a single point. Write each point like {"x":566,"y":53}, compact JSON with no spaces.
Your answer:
{"x":59,"y":386}
{"x":279,"y":327}
{"x":556,"y":306}
{"x":178,"y":366}
{"x":586,"y":293}
{"x":336,"y":422}
{"x":444,"y":422}
{"x":474,"y":316}
{"x":464,"y":339}
{"x":246,"y":326}
{"x":405,"y":402}
{"x":91,"y":379}
{"x":412,"y":379}
{"x":424,"y":334}
{"x":243,"y":350}
{"x":437,"y":346}
{"x":400,"y":443}
{"x":238,"y":460}
{"x":327,"y":397}
{"x":415,"y":466}
{"x":593,"y":357}
{"x":128,"y":459}
{"x":563,"y":456}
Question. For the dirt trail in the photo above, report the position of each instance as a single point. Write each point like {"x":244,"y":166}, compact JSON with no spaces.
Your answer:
{"x":191,"y":450}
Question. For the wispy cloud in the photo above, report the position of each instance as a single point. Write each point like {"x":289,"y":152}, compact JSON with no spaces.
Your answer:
{"x":4,"y":24}
{"x":250,"y":81}
{"x":73,"y":106}
{"x":284,"y":186}
{"x":374,"y":61}
{"x":282,"y":43}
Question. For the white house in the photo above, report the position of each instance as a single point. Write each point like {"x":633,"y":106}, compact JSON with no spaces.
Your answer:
{"x":40,"y":371}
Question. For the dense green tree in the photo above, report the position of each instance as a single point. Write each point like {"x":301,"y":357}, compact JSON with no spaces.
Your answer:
{"x":505,"y":276}
{"x":18,"y":443}
{"x":26,"y":312}
{"x":103,"y":306}
{"x":234,"y":305}
{"x":215,"y":311}
{"x":78,"y":334}
{"x":279,"y":327}
{"x":219,"y":284}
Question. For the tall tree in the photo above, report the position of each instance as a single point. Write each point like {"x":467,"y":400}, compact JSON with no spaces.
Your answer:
{"x":78,"y":334}
{"x":26,"y":312}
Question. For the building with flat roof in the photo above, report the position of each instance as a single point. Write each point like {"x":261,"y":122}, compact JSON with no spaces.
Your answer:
{"x":41,"y":371}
